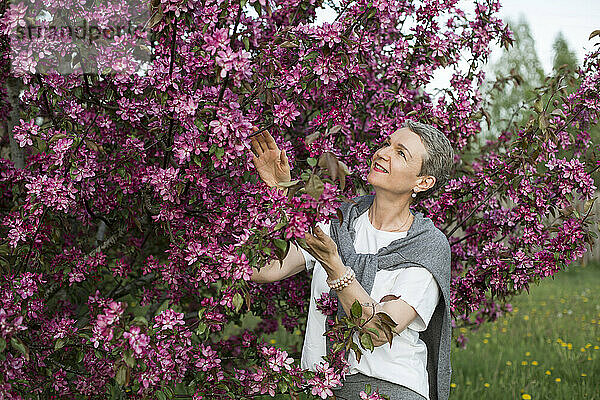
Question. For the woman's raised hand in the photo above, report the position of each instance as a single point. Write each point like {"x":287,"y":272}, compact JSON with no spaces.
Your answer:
{"x":271,"y":163}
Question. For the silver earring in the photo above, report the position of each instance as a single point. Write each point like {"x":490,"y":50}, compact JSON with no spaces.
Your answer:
{"x":414,"y":194}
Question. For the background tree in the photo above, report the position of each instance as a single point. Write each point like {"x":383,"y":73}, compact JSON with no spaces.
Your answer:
{"x":563,"y":55}
{"x":520,"y":71}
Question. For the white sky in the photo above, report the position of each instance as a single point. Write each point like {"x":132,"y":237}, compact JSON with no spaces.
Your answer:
{"x":576,"y":19}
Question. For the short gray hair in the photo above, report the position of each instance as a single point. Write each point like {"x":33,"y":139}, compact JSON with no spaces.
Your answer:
{"x":439,"y":156}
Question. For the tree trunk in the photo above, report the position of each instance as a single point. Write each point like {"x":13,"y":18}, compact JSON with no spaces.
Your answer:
{"x":14,"y":86}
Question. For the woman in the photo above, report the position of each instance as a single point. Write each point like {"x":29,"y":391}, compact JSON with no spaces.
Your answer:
{"x":388,"y":258}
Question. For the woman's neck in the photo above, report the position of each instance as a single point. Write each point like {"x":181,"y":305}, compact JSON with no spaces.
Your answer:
{"x":390,"y":214}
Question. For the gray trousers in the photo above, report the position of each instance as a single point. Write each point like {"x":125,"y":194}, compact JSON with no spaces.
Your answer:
{"x":355,"y":383}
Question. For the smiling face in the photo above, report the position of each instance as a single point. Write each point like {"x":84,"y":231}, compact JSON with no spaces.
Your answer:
{"x":395,"y":166}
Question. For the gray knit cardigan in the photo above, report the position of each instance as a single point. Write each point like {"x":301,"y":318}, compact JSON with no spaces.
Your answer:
{"x":424,"y":246}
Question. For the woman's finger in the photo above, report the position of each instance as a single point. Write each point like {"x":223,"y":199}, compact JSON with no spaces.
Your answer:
{"x":260,"y":139}
{"x":284,"y":158}
{"x":256,"y":148}
{"x":269,"y":141}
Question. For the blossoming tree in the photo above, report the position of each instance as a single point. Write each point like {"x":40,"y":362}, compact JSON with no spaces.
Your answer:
{"x":128,"y":236}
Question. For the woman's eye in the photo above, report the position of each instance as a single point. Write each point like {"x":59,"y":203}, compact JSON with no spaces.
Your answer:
{"x":401,"y":152}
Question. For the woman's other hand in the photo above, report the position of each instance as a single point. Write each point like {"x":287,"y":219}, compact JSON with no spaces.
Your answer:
{"x":324,"y":249}
{"x":271,"y":163}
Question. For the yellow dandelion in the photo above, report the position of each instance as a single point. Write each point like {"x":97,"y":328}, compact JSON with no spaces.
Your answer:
{"x":525,"y":396}
{"x":585,"y":299}
{"x":563,"y":301}
{"x":486,"y":385}
{"x":509,"y":363}
{"x":593,"y":321}
{"x":589,"y":358}
{"x":503,"y":330}
{"x":587,"y":346}
{"x":485,"y":341}
{"x":505,"y":322}
{"x":548,"y":372}
{"x":582,"y":349}
{"x":528,"y":334}
{"x":468,"y":383}
{"x":488,"y":335}
{"x":563,"y":344}
{"x":526,"y":317}
{"x":570,"y":346}
{"x":596,"y":347}
{"x":272,"y":341}
{"x":583,"y":374}
{"x":534,"y":363}
{"x":453,"y":385}
{"x":527,"y":354}
{"x":463,"y":330}
{"x":523,"y":362}
{"x":557,"y":380}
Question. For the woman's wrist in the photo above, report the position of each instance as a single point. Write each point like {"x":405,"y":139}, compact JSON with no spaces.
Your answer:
{"x":335,"y":269}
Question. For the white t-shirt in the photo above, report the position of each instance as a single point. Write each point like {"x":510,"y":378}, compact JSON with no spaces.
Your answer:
{"x":405,"y":362}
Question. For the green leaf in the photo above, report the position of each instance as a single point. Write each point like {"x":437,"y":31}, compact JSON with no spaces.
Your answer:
{"x":257,"y":7}
{"x":121,"y":376}
{"x":128,"y":358}
{"x":356,"y":309}
{"x":373,"y":331}
{"x":311,"y":55}
{"x":59,"y":344}
{"x":329,"y":161}
{"x":219,"y":152}
{"x":314,"y":187}
{"x":279,"y":225}
{"x":168,"y":392}
{"x":246,"y":43}
{"x":282,"y":386}
{"x":18,"y":345}
{"x":311,"y":138}
{"x":281,"y":244}
{"x":201,"y":328}
{"x":335,"y":129}
{"x":2,"y":344}
{"x":366,"y":341}
{"x":311,"y":161}
{"x":159,"y":394}
{"x":544,"y":124}
{"x":140,"y":320}
{"x":237,"y":301}
{"x":288,"y":184}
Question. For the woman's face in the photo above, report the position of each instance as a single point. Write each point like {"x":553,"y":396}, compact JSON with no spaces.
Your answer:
{"x":396,"y":165}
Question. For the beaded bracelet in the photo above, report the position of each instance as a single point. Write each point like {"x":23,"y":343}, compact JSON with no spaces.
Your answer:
{"x":342,"y":281}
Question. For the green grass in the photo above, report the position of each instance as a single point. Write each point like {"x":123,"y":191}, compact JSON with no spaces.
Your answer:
{"x":547,"y":348}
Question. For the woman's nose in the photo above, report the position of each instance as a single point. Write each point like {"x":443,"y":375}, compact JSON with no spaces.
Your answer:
{"x":380,"y":153}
